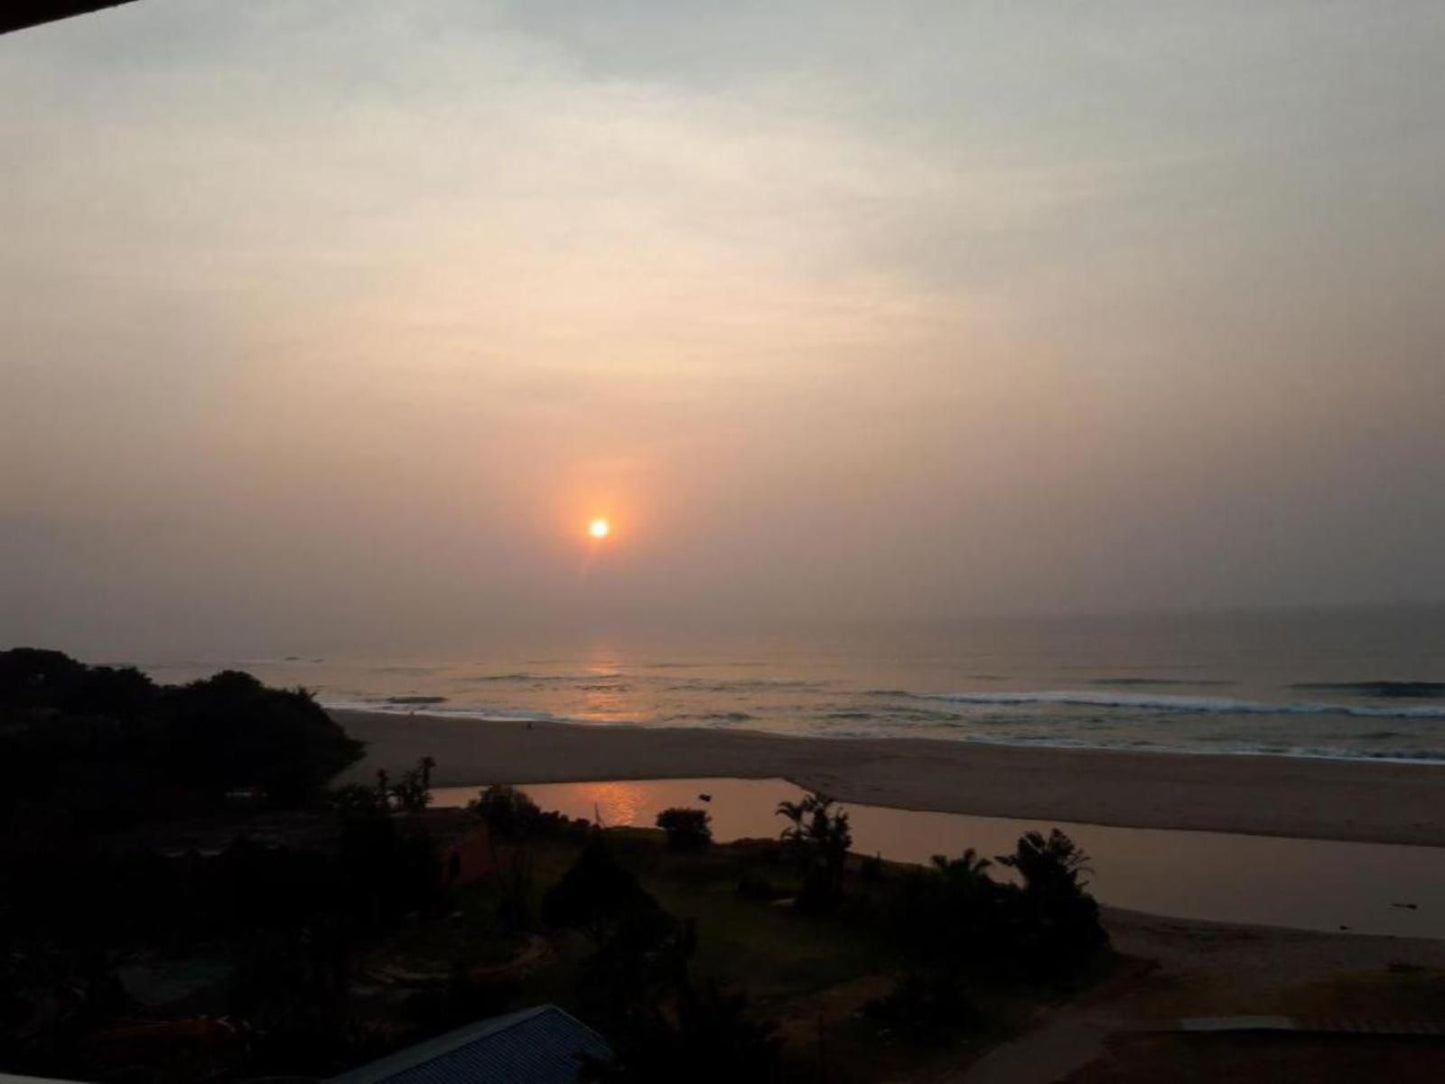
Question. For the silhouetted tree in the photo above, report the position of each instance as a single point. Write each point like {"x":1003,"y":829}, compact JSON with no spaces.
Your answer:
{"x":389,"y":868}
{"x":708,"y":1037}
{"x":596,"y":894}
{"x":928,"y":1006}
{"x":1058,"y":929}
{"x":105,"y":743}
{"x":819,"y":839}
{"x":507,"y":811}
{"x":359,"y":799}
{"x":687,"y":829}
{"x":413,"y":793}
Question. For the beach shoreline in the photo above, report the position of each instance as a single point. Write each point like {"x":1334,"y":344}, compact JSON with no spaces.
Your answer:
{"x":1295,"y":797}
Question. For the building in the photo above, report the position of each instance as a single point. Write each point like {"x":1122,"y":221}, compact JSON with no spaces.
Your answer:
{"x":542,"y":1045}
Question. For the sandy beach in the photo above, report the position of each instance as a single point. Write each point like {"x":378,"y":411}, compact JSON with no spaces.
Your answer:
{"x":1260,"y":795}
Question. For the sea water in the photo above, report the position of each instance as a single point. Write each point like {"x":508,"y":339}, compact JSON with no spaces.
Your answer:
{"x":1350,"y":683}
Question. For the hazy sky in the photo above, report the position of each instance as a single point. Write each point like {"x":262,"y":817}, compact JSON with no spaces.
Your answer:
{"x":333,"y":322}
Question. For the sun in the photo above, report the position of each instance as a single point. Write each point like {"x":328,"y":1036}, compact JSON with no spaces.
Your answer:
{"x":599,"y":528}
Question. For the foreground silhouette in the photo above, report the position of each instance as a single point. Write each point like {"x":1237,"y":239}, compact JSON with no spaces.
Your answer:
{"x":255,"y":922}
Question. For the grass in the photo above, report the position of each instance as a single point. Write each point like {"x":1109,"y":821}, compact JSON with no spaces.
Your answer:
{"x":813,"y":974}
{"x":767,"y":948}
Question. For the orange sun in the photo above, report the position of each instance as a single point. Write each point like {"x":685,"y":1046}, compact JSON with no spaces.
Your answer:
{"x":599,"y":529}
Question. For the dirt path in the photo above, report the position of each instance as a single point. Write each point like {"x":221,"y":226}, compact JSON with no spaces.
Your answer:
{"x":1201,"y":969}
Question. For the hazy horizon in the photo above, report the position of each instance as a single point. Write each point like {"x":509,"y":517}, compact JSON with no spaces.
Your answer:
{"x":336,"y":323}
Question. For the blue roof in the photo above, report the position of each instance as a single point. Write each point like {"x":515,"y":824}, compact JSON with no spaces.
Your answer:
{"x":539,"y":1046}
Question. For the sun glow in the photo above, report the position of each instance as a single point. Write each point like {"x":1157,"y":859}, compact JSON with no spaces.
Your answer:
{"x":599,"y":529}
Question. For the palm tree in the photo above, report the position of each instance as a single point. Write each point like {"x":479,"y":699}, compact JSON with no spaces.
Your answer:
{"x":1055,"y":864}
{"x":968,"y":867}
{"x":795,"y":812}
{"x":820,"y":839}
{"x":813,"y":821}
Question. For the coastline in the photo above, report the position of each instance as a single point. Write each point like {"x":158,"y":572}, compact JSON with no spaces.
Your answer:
{"x":1307,"y":798}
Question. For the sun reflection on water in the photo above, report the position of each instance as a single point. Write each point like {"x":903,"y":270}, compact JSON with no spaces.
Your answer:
{"x":606,"y":695}
{"x":616,"y":804}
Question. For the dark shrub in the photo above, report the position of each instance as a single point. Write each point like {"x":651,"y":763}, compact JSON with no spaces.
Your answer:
{"x":819,"y":839}
{"x":99,"y":743}
{"x":1056,"y":922}
{"x":687,"y":829}
{"x":710,"y":1038}
{"x":413,"y":793}
{"x":953,"y":911}
{"x":928,"y":1007}
{"x":507,"y":811}
{"x":230,"y":731}
{"x":754,"y":886}
{"x":596,"y":894}
{"x":359,"y":800}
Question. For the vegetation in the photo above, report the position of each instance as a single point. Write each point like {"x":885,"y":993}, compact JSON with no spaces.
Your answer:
{"x":326,"y":933}
{"x":818,"y":837}
{"x":1055,"y":921}
{"x":928,"y":1007}
{"x":662,"y":1024}
{"x":598,"y":896}
{"x":411,"y":795}
{"x":709,"y":1036}
{"x":954,"y":914}
{"x":100,"y":744}
{"x":687,"y":829}
{"x":507,"y":811}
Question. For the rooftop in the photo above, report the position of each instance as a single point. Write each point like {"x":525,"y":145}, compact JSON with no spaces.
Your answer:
{"x":542,"y":1045}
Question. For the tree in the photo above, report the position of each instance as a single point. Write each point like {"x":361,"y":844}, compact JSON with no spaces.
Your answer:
{"x":229,"y":731}
{"x":969,"y":868}
{"x":596,"y":895}
{"x":413,"y":793}
{"x":814,"y":824}
{"x":929,"y":1007}
{"x":687,"y":829}
{"x":506,"y":811}
{"x":1059,"y":929}
{"x":359,"y":800}
{"x":819,"y":839}
{"x":1049,"y":866}
{"x":949,"y":912}
{"x":709,"y":1037}
{"x":103,"y":743}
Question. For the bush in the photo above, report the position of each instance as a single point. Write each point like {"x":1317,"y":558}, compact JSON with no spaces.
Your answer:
{"x":596,"y":895}
{"x":925,"y":1007}
{"x":1058,"y":924}
{"x":413,"y":793}
{"x":754,"y":886}
{"x":954,"y":912}
{"x":710,"y":1036}
{"x":687,"y":829}
{"x":359,"y":800}
{"x":819,"y":839}
{"x":507,"y":811}
{"x":106,"y":744}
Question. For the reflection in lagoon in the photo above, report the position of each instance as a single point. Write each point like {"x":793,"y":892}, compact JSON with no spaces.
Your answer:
{"x":611,"y":804}
{"x":1306,"y":883}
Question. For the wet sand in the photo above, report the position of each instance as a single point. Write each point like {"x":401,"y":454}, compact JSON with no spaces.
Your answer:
{"x":1277,"y":796}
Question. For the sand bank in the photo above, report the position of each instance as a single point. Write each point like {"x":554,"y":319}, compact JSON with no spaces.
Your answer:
{"x":1281,"y":796}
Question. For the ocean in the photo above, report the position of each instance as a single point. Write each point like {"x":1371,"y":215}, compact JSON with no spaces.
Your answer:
{"x":1346,"y":683}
